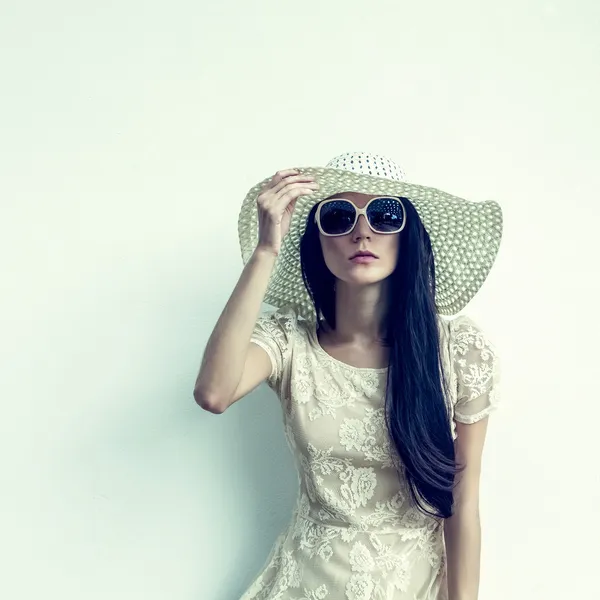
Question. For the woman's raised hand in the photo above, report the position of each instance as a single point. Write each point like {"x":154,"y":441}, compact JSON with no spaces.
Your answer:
{"x":276,"y":204}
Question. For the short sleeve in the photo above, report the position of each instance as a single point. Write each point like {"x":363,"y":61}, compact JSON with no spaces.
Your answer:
{"x":476,"y":368}
{"x":274,"y":333}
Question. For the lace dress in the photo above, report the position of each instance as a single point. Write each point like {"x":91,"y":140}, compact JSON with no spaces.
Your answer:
{"x":355,"y":533}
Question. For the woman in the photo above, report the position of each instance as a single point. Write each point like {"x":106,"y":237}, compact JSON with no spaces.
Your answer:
{"x":385,"y":403}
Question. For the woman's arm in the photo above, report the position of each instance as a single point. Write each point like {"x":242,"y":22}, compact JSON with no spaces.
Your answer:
{"x":462,"y":531}
{"x":224,"y":360}
{"x":226,"y":372}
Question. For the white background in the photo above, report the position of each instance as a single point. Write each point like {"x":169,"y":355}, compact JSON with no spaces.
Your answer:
{"x":130,"y":133}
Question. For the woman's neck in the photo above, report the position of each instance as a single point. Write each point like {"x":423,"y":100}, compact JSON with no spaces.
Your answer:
{"x":359,"y":312}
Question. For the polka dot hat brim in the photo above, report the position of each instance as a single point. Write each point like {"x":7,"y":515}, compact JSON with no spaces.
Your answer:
{"x":465,"y":235}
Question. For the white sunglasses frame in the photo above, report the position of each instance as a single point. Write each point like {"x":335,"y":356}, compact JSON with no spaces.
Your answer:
{"x":359,"y":211}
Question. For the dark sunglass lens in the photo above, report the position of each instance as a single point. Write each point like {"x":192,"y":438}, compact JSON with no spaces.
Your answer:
{"x":337,"y":217}
{"x":386,"y":215}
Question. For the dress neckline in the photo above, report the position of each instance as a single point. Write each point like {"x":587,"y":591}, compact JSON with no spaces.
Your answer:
{"x":314,"y":340}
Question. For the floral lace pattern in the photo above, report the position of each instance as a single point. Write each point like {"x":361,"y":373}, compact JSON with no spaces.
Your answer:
{"x":355,"y":533}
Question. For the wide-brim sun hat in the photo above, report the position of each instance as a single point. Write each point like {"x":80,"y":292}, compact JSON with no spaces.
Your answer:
{"x":465,"y":235}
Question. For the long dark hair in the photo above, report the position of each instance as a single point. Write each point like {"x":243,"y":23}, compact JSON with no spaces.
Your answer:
{"x":416,"y":411}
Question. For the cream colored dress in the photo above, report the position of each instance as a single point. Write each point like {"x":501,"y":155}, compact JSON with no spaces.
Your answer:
{"x":355,"y":533}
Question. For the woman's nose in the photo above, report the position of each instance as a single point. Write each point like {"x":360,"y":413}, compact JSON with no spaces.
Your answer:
{"x":361,"y":228}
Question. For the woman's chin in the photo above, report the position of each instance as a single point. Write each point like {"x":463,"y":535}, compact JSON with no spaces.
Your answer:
{"x":365,"y":276}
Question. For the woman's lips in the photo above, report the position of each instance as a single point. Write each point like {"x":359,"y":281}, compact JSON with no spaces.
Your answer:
{"x":364,"y":259}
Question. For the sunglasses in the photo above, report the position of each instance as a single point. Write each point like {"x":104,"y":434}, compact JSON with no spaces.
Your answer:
{"x":338,"y":216}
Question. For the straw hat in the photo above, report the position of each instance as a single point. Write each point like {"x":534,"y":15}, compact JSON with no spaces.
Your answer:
{"x":465,"y":235}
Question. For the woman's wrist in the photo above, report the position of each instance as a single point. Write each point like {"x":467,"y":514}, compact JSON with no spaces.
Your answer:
{"x":265,"y":253}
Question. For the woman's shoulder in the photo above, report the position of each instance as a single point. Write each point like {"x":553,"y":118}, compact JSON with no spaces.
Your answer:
{"x":461,"y":324}
{"x":462,"y":333}
{"x":469,"y":340}
{"x":284,"y":321}
{"x":460,"y":318}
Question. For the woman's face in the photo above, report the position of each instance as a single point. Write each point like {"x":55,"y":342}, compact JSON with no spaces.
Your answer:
{"x":338,"y":251}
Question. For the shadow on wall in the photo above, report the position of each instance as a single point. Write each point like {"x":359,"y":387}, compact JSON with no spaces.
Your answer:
{"x":260,"y":466}
{"x":164,"y":485}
